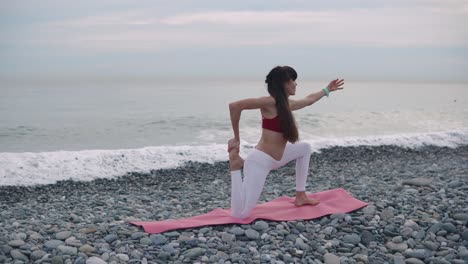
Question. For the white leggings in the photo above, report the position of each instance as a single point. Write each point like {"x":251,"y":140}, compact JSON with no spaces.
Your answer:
{"x":257,"y":165}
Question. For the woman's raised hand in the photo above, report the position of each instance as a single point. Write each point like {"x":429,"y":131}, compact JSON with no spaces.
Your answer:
{"x":335,"y":85}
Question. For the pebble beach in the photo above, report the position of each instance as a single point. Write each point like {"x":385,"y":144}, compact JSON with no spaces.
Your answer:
{"x":417,"y":213}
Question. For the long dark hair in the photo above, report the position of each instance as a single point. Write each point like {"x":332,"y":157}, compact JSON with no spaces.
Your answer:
{"x":275,"y":80}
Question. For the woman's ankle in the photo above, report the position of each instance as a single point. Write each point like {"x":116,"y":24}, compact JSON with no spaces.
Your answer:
{"x":301,"y":194}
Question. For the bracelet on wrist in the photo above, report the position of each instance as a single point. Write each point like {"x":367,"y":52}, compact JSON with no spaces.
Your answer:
{"x":327,"y":92}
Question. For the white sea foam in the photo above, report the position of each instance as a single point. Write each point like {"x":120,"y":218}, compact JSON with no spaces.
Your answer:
{"x":30,"y":168}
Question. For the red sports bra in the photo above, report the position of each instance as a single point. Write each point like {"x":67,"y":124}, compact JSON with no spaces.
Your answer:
{"x":272,"y":123}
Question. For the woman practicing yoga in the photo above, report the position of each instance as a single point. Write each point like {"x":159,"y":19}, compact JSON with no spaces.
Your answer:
{"x":277,"y":146}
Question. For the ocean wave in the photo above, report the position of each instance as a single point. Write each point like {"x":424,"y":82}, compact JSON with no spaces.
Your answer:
{"x":32,"y":168}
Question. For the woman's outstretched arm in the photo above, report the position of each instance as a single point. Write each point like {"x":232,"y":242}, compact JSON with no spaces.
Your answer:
{"x":314,"y":97}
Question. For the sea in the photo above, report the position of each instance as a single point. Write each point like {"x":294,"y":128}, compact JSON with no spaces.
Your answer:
{"x":52,"y":130}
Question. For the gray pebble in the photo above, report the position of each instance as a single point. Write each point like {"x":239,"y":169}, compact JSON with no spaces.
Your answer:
{"x":66,"y":250}
{"x":16,"y":243}
{"x":63,"y":235}
{"x":352,"y":239}
{"x":16,"y":254}
{"x":252,"y":234}
{"x":413,"y":261}
{"x":53,"y":243}
{"x":194,"y":252}
{"x":95,"y":260}
{"x":158,"y":239}
{"x":330,"y":258}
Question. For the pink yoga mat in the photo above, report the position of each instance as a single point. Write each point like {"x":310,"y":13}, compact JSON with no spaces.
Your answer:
{"x":280,"y":209}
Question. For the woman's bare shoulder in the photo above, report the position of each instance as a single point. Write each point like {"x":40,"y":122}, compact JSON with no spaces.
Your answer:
{"x":254,"y":103}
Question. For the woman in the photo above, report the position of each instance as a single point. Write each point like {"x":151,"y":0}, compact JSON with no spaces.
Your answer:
{"x":277,"y":146}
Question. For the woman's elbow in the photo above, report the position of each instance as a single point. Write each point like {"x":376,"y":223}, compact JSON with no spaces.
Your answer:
{"x":233,"y":106}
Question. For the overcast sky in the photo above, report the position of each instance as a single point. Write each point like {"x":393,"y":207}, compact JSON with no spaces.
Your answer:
{"x":357,"y":40}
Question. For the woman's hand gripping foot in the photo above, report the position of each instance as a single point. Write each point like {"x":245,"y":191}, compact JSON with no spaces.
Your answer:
{"x":235,"y":161}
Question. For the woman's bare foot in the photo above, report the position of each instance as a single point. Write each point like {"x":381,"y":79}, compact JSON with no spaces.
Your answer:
{"x":302,"y":199}
{"x":235,"y":161}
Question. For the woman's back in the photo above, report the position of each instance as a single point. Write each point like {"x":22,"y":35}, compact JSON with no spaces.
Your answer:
{"x":271,"y":142}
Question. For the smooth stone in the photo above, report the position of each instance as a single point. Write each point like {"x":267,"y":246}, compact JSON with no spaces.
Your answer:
{"x":87,"y":248}
{"x":463,"y":252}
{"x":330,"y":258}
{"x":164,"y":255}
{"x":362,"y":258}
{"x":138,"y":235}
{"x":413,"y":261}
{"x":66,"y":250}
{"x":260,"y":226}
{"x":460,"y":216}
{"x":440,"y":261}
{"x":57,"y":260}
{"x":252,"y":234}
{"x":35,"y":236}
{"x":329,"y":230}
{"x":168,"y":248}
{"x":338,"y":216}
{"x":204,"y":230}
{"x":387,"y":214}
{"x":79,"y":260}
{"x":431,"y":245}
{"x":369,"y":210}
{"x":122,"y":257}
{"x":352,"y":239}
{"x":411,"y":191}
{"x":95,"y":260}
{"x":453,"y":237}
{"x":419,"y":253}
{"x":16,"y":254}
{"x":16,"y":243}
{"x":194,"y":252}
{"x":53,"y":243}
{"x":88,"y":230}
{"x":228,"y":238}
{"x":411,"y":224}
{"x":435,"y":228}
{"x":400,"y":247}
{"x":72,"y":241}
{"x":366,"y":237}
{"x":146,"y":241}
{"x":158,"y":239}
{"x":6,"y":249}
{"x":37,"y":254}
{"x":420,"y":181}
{"x":419,"y":234}
{"x":111,"y":238}
{"x":172,"y":234}
{"x":18,"y":236}
{"x":449,"y":227}
{"x":455,"y":184}
{"x":237,"y":231}
{"x":265,"y":257}
{"x":301,"y":245}
{"x":406,"y":232}
{"x":465,"y":235}
{"x":63,"y":235}
{"x":397,"y":259}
